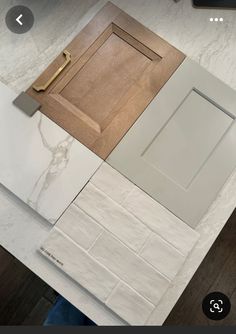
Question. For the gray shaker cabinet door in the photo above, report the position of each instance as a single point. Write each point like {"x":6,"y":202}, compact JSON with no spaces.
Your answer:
{"x":183,"y":148}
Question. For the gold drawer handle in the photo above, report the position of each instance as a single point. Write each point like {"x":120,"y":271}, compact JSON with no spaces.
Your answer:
{"x":55,"y":75}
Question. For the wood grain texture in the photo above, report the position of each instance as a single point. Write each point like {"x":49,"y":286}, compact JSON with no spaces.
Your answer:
{"x":118,"y":66}
{"x":38,"y":314}
{"x":24,"y":298}
{"x":216,"y":273}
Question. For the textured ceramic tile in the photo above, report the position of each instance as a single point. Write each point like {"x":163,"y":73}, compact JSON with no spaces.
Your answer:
{"x":122,"y":302}
{"x":162,"y":256}
{"x":112,"y":216}
{"x":79,"y":265}
{"x":122,"y":241}
{"x":161,"y":221}
{"x":136,"y":272}
{"x":40,"y":163}
{"x":79,"y":226}
{"x":112,"y":183}
{"x":22,"y":232}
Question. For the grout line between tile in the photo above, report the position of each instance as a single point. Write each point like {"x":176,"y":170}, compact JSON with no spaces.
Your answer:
{"x":94,"y":242}
{"x":105,"y":229}
{"x":145,"y":243}
{"x":102,"y":265}
{"x":142,"y":222}
{"x":111,"y":293}
{"x":130,"y":287}
{"x":135,"y":253}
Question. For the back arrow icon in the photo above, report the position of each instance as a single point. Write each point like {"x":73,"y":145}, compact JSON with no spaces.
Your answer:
{"x":18,"y":19}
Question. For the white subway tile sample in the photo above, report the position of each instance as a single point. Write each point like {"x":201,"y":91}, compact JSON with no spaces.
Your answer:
{"x":116,"y":228}
{"x":112,"y":216}
{"x":123,"y":301}
{"x":131,"y":268}
{"x":162,"y":256}
{"x":115,"y":185}
{"x":79,"y":265}
{"x":79,"y":226}
{"x":161,"y":221}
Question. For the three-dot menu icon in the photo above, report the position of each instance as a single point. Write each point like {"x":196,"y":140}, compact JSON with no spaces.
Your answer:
{"x":216,"y":19}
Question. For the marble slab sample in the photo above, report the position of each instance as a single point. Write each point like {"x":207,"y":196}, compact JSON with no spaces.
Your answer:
{"x":120,"y":245}
{"x":39,"y":162}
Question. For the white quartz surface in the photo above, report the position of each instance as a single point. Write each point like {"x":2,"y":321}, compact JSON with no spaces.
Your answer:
{"x":213,"y":45}
{"x":40,"y":163}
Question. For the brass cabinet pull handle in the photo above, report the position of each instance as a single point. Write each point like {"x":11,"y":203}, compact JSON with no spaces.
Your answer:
{"x":44,"y":87}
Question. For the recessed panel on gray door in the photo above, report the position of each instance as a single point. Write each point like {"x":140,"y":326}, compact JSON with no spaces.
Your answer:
{"x":183,"y":148}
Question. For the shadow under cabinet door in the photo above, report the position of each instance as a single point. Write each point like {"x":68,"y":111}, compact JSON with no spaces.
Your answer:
{"x":108,"y":75}
{"x":183,"y":148}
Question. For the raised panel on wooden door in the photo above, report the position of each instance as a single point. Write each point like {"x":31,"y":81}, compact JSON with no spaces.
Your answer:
{"x":117,"y":67}
{"x":182,"y":149}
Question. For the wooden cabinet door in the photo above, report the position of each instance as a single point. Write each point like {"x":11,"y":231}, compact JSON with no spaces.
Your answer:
{"x":108,"y":75}
{"x":183,"y":148}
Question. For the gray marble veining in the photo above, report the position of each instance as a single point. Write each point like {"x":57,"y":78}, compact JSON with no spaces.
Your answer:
{"x":39,"y":160}
{"x":60,"y":158}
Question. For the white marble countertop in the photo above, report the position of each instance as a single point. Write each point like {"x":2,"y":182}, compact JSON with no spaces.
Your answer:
{"x":213,"y":45}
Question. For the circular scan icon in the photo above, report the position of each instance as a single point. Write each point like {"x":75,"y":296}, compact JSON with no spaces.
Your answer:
{"x":216,"y":306}
{"x":19,"y":19}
